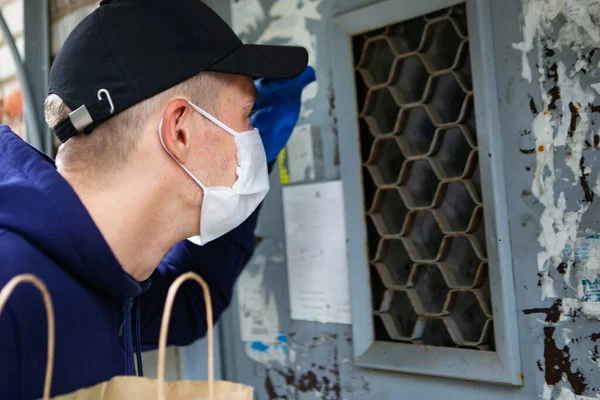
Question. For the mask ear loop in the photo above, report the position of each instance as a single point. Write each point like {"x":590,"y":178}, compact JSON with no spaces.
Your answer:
{"x":213,"y":120}
{"x":160,"y":136}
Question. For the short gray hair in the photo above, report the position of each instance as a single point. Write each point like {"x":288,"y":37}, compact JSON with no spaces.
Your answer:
{"x":113,"y":141}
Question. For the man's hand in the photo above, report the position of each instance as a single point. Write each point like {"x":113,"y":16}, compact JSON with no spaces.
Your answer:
{"x":277,"y":109}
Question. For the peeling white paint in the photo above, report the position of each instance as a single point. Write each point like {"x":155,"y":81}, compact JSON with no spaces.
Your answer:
{"x":570,"y":306}
{"x":579,"y":30}
{"x":246,"y":15}
{"x":573,"y":95}
{"x":565,"y":335}
{"x":590,"y":310}
{"x":289,"y":26}
{"x":563,"y":25}
{"x":559,"y":225}
{"x":562,"y":393}
{"x":548,"y":291}
{"x":566,"y":394}
{"x":546,"y":392}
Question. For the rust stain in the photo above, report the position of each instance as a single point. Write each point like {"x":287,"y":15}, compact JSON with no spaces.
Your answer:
{"x":595,"y":336}
{"x":596,"y":140}
{"x":289,"y":377}
{"x":558,"y":362}
{"x":595,"y":355}
{"x":554,"y":96}
{"x":585,"y":185}
{"x":552,"y":313}
{"x":552,"y":72}
{"x":532,"y":106}
{"x":562,"y":268}
{"x":540,"y":148}
{"x":590,"y":55}
{"x":574,"y":109}
{"x":322,"y":379}
{"x":270,"y":389}
{"x":308,"y":382}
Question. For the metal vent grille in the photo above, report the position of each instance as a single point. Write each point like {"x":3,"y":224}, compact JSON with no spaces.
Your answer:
{"x":421,"y":181}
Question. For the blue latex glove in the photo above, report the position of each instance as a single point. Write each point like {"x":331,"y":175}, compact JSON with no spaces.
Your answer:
{"x":277,"y":109}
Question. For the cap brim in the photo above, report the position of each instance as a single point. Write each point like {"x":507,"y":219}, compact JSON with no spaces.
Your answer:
{"x":264,"y":61}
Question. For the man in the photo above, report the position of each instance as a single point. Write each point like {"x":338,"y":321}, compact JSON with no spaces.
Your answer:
{"x":152,"y":100}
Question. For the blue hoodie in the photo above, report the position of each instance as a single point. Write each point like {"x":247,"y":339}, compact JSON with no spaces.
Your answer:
{"x":102,"y":313}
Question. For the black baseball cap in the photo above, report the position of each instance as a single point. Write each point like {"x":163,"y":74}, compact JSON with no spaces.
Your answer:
{"x":127,"y":51}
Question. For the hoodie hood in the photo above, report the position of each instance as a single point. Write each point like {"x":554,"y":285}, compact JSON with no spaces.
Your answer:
{"x":37,"y":203}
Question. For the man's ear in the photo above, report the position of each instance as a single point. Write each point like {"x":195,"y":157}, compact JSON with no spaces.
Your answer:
{"x":175,"y":134}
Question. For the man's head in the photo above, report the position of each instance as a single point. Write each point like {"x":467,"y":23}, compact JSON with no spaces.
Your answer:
{"x":119,"y":140}
{"x":131,"y":61}
{"x":134,"y":65}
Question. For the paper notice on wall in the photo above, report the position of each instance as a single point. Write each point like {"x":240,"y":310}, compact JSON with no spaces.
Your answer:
{"x":259,"y":321}
{"x":316,"y":252}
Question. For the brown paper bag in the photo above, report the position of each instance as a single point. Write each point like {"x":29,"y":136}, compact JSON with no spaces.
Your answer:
{"x":136,"y":388}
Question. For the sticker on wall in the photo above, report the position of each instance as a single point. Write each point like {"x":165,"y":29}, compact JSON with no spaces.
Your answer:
{"x":586,"y":252}
{"x":284,"y":176}
{"x":316,"y":252}
{"x":269,"y":353}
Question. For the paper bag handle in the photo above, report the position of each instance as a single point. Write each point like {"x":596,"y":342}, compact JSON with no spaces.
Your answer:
{"x":164,"y":329}
{"x":35,"y":281}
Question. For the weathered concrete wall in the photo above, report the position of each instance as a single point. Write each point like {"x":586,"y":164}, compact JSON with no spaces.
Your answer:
{"x":550,"y":145}
{"x":559,"y":44}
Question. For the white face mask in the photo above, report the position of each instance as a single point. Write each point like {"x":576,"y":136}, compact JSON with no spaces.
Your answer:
{"x":225,"y":208}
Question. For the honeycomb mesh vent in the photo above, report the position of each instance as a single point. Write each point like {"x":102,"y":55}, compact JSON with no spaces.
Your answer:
{"x":421,"y":182}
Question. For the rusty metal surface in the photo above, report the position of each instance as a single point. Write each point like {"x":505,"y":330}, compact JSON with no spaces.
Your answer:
{"x":423,"y":196}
